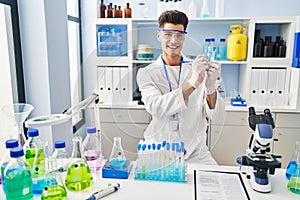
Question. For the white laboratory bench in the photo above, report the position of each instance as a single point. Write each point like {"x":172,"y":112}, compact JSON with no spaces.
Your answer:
{"x":149,"y":190}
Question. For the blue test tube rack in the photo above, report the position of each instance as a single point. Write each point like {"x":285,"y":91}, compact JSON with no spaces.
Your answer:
{"x":161,"y":162}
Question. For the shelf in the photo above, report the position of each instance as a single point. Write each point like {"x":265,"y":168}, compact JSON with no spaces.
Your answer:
{"x":142,"y":61}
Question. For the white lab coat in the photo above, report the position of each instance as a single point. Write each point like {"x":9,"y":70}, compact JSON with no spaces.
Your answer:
{"x":161,"y":104}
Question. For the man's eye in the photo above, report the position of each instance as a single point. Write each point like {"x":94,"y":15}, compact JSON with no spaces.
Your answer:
{"x":168,"y":34}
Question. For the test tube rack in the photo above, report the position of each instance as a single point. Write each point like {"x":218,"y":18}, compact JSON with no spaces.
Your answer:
{"x":161,"y":162}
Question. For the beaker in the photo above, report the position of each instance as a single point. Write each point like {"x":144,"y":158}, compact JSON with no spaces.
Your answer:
{"x":54,"y":187}
{"x":117,"y":158}
{"x":79,"y":176}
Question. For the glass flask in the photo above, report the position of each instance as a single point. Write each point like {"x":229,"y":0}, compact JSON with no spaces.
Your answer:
{"x":54,"y":187}
{"x":79,"y":176}
{"x":35,"y":156}
{"x":293,"y":162}
{"x":9,"y":144}
{"x":18,"y":179}
{"x":117,"y":158}
{"x":91,"y":148}
{"x":61,"y":155}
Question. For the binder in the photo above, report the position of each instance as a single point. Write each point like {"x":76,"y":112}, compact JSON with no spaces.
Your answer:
{"x":101,"y":79}
{"x":254,"y":86}
{"x":280,"y":85}
{"x":263,"y":86}
{"x":108,"y":84}
{"x":124,"y":84}
{"x":116,"y":85}
{"x":272,"y":79}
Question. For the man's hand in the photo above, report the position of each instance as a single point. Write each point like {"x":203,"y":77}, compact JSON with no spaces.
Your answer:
{"x":213,"y":72}
{"x":200,"y":66}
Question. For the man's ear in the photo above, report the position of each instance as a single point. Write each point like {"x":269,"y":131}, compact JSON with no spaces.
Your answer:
{"x":158,"y":37}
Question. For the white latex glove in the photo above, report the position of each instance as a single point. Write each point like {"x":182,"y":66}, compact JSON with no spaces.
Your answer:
{"x":213,"y":72}
{"x":199,"y":67}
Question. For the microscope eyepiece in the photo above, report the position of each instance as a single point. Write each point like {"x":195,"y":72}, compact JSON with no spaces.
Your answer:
{"x":252,"y":111}
{"x":267,"y":112}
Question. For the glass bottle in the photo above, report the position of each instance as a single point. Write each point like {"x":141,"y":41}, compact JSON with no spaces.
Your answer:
{"x":222,"y":53}
{"x":61,"y":155}
{"x":127,"y":11}
{"x":54,"y":187}
{"x":102,"y":10}
{"x":9,"y":144}
{"x":109,"y":13}
{"x":35,"y":156}
{"x":18,"y":177}
{"x":79,"y":176}
{"x":117,"y":158}
{"x":293,"y":162}
{"x":120,"y":12}
{"x":91,"y":149}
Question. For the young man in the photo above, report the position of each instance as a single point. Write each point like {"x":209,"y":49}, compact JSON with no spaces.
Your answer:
{"x":180,"y":96}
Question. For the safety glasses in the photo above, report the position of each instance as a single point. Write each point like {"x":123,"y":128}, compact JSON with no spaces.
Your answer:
{"x":169,"y":33}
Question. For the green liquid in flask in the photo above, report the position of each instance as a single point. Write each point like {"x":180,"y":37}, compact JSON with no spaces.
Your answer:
{"x":54,"y":192}
{"x":79,"y":177}
{"x":294,"y":185}
{"x":39,"y":165}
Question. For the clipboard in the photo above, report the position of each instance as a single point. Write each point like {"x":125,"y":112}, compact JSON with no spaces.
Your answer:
{"x":216,"y":189}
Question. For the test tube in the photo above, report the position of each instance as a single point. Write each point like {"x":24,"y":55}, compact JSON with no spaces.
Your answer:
{"x":158,"y":161}
{"x":149,"y":162}
{"x":153,"y":172}
{"x":138,"y":164}
{"x":143,"y":161}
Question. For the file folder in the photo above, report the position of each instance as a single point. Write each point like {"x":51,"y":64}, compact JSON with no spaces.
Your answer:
{"x":272,"y":79}
{"x":280,"y":87}
{"x":124,"y":84}
{"x":116,"y":93}
{"x":263,"y":86}
{"x":108,"y":84}
{"x":255,"y":76}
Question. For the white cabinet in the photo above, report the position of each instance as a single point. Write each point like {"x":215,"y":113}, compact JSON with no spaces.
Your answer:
{"x":287,"y":131}
{"x":129,"y":124}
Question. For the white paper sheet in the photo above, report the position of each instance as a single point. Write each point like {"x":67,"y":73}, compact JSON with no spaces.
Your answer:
{"x":215,"y":185}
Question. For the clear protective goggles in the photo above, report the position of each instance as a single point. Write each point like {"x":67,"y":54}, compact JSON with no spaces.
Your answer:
{"x":169,"y":33}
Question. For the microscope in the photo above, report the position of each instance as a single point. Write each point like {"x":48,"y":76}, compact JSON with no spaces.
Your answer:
{"x":258,"y":162}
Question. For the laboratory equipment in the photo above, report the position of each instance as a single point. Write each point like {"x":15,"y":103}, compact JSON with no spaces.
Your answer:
{"x":192,"y":9}
{"x":117,"y":158}
{"x":61,"y":155}
{"x":54,"y":187}
{"x":35,"y":156}
{"x":117,"y":166}
{"x":91,"y":149}
{"x":104,"y":192}
{"x":9,"y":144}
{"x":204,"y":10}
{"x":18,"y":177}
{"x":293,"y":171}
{"x":293,"y":162}
{"x":144,"y":52}
{"x":79,"y":176}
{"x":127,"y":11}
{"x":296,"y":51}
{"x":258,"y":160}
{"x":222,"y":50}
{"x":161,"y":162}
{"x":219,"y":12}
{"x":101,"y":10}
{"x":237,"y":43}
{"x":18,"y":113}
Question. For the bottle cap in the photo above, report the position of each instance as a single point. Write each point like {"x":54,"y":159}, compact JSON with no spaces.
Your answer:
{"x":222,"y":39}
{"x":59,"y":144}
{"x":32,"y":132}
{"x":12,"y":143}
{"x":16,"y":152}
{"x":91,"y":129}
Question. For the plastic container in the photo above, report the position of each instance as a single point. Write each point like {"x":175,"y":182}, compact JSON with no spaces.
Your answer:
{"x":9,"y":144}
{"x":79,"y":176}
{"x":237,"y":43}
{"x":17,"y":175}
{"x":61,"y":155}
{"x":91,"y":148}
{"x":35,"y":156}
{"x":54,"y":186}
{"x":117,"y":158}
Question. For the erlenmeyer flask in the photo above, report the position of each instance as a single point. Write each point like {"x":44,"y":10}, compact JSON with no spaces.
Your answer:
{"x":18,"y":113}
{"x":117,"y":158}
{"x":54,"y":187}
{"x":79,"y":176}
{"x":294,"y":167}
{"x":293,"y":162}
